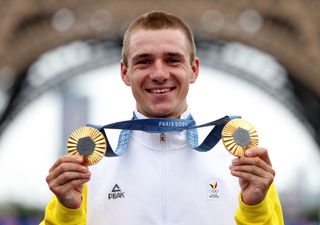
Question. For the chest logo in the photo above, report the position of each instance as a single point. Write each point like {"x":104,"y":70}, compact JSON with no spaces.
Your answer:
{"x":213,"y":190}
{"x":116,"y":193}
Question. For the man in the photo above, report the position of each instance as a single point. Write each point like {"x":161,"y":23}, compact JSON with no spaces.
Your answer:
{"x":159,"y":179}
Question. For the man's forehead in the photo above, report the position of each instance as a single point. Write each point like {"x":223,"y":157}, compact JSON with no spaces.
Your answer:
{"x":143,"y":40}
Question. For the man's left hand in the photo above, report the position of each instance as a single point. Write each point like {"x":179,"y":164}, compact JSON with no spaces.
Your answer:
{"x":255,"y":174}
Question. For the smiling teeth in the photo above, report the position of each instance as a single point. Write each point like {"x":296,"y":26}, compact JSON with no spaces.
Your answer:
{"x":159,"y":91}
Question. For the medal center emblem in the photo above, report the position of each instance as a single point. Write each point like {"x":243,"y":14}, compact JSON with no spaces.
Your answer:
{"x":241,"y":137}
{"x":85,"y":146}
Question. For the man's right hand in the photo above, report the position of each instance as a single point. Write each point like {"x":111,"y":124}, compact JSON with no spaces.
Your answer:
{"x":66,"y":178}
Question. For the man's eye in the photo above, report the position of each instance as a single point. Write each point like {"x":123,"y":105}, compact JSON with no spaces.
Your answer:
{"x":143,"y":62}
{"x":173,"y":61}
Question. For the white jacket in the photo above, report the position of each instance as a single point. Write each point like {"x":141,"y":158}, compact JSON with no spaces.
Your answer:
{"x":162,"y":181}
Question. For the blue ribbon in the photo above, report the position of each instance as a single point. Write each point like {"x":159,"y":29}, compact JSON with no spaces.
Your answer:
{"x":164,"y":125}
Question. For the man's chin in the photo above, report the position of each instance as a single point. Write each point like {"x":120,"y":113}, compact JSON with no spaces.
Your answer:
{"x":165,"y":113}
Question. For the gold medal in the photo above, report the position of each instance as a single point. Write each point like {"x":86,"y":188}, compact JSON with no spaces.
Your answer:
{"x":88,"y":142}
{"x":238,"y":135}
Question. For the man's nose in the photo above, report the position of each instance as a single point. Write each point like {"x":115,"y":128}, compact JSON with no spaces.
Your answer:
{"x":159,"y":72}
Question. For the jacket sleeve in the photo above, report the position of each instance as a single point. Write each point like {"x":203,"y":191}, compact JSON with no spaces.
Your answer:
{"x":57,"y":214}
{"x":268,"y":212}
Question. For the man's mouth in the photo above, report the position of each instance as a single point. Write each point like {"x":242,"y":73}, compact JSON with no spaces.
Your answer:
{"x":159,"y":90}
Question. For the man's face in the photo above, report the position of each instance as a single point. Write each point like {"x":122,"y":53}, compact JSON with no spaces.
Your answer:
{"x":159,"y":72}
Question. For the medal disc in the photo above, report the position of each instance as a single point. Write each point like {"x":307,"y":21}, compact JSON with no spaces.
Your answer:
{"x":89,"y":143}
{"x":238,"y":135}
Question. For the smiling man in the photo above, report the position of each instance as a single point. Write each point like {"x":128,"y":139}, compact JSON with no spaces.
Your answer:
{"x":159,"y":72}
{"x":159,"y":65}
{"x":160,"y":179}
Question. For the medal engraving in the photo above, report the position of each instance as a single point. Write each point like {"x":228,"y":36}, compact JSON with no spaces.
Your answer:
{"x":86,"y":146}
{"x":241,"y":137}
{"x":89,"y":143}
{"x":238,"y":135}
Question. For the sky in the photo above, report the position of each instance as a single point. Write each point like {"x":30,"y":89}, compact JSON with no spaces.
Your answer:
{"x":31,"y":144}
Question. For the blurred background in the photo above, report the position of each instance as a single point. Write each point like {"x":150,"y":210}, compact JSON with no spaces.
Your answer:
{"x":59,"y":69}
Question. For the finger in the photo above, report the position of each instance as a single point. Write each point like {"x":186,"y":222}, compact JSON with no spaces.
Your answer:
{"x":76,"y":185}
{"x":69,"y":176}
{"x":256,"y":162}
{"x":253,"y":170}
{"x":259,"y":152}
{"x":65,"y":159}
{"x":66,"y":180}
{"x":253,"y":178}
{"x":65,"y":168}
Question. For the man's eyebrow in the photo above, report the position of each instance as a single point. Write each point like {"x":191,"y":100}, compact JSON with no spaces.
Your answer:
{"x":141,"y":56}
{"x":167,"y":54}
{"x":175,"y":54}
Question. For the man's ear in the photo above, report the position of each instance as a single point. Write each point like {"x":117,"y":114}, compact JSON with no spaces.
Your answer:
{"x":124,"y":72}
{"x":195,"y":70}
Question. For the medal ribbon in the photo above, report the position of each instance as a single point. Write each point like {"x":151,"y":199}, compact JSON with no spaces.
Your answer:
{"x":164,"y":125}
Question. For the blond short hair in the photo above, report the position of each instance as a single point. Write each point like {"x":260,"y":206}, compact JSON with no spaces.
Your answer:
{"x":157,"y":20}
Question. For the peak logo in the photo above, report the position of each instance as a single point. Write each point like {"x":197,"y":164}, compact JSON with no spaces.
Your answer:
{"x":116,"y":193}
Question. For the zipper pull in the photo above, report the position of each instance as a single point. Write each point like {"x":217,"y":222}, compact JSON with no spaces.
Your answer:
{"x":163,"y":138}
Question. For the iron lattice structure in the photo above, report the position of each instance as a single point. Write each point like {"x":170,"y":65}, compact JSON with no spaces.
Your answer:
{"x":289,"y":32}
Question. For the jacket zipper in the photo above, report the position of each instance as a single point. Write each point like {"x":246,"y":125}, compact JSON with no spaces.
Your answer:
{"x":163,"y":139}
